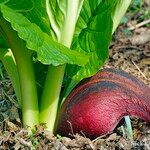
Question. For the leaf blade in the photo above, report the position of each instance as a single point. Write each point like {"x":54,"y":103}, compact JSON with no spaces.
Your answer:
{"x":93,"y":34}
{"x":48,"y":50}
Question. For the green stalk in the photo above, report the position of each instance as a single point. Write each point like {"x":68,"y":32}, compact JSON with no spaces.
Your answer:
{"x":9,"y":63}
{"x":52,"y":88}
{"x":25,"y":68}
{"x":50,"y":96}
{"x":129,"y":127}
{"x":119,"y":12}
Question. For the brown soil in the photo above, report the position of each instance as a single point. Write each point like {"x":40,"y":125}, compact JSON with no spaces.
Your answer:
{"x":129,"y":53}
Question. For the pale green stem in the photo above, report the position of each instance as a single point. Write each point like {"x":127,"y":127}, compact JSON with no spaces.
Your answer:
{"x":50,"y":96}
{"x":119,"y":12}
{"x":52,"y":88}
{"x":129,"y":127}
{"x":24,"y":63}
{"x":70,"y":22}
{"x":9,"y":63}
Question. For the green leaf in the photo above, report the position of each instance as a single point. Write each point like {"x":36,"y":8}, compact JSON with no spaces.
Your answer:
{"x":92,"y":35}
{"x":33,"y":10}
{"x":48,"y":51}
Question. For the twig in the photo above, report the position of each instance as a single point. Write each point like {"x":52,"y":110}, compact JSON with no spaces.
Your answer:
{"x":139,"y":24}
{"x":24,"y":142}
{"x":70,"y":127}
{"x":102,"y":136}
{"x":12,"y":100}
{"x":139,"y":70}
{"x":127,"y":47}
{"x":82,"y":133}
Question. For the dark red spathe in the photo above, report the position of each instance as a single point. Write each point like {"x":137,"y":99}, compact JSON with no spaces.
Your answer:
{"x":96,"y":106}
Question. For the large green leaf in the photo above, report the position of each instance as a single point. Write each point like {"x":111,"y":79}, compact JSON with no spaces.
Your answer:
{"x":49,"y":15}
{"x":33,"y":10}
{"x":48,"y":51}
{"x":93,"y":34}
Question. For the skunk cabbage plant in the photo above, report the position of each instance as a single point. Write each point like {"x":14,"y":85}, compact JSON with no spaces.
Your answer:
{"x":49,"y":46}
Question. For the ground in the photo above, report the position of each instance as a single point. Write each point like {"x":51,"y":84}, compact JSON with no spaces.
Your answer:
{"x":129,"y":51}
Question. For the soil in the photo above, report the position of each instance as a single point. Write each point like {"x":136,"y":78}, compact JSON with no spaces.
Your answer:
{"x":129,"y":51}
